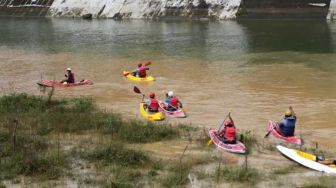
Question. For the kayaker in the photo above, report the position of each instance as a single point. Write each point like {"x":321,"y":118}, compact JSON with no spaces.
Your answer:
{"x":174,"y":103}
{"x":286,"y":126}
{"x":140,"y":71}
{"x":322,"y":160}
{"x":228,"y":133}
{"x":152,"y":104}
{"x":70,"y":77}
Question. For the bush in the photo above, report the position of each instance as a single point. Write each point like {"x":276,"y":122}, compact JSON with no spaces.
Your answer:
{"x":177,"y":176}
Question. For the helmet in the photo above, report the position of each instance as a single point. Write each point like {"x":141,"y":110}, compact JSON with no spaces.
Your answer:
{"x":228,"y":123}
{"x":68,"y":69}
{"x":288,"y":113}
{"x":152,"y":95}
{"x":170,"y":93}
{"x":139,"y":65}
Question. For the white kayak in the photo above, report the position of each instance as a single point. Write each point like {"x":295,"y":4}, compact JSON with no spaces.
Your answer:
{"x":306,"y":159}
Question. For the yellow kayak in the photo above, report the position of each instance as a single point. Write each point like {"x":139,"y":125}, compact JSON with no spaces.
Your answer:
{"x":158,"y":116}
{"x":137,"y":79}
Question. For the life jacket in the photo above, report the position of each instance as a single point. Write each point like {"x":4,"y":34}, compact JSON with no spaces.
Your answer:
{"x":154,"y":105}
{"x":287,"y":126}
{"x":142,"y":72}
{"x":230,"y":133}
{"x":71,"y":78}
{"x":174,"y":102}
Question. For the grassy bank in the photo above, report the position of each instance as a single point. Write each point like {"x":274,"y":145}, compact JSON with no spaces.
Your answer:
{"x":72,"y":142}
{"x":29,"y":147}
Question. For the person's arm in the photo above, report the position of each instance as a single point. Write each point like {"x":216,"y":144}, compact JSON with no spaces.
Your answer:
{"x":292,"y":111}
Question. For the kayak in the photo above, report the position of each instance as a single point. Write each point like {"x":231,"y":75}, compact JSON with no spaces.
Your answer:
{"x":306,"y":159}
{"x":290,"y":139}
{"x":233,"y":148}
{"x":137,"y":79}
{"x":51,"y":83}
{"x":179,"y":113}
{"x":155,"y":116}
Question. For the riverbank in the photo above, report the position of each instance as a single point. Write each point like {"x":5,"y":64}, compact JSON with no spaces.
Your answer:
{"x":71,"y":142}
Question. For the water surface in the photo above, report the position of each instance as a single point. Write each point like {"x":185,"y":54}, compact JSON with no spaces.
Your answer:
{"x":254,"y":68}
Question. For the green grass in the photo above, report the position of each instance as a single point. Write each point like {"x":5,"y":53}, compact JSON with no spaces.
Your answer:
{"x":28,"y":123}
{"x":116,"y":154}
{"x":239,"y":174}
{"x":177,"y":176}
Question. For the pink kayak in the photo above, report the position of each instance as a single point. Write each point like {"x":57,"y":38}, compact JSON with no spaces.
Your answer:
{"x":291,"y":139}
{"x":50,"y":83}
{"x":179,"y":113}
{"x":233,"y":148}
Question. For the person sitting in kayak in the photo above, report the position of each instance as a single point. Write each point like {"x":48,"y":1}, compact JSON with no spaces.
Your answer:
{"x":174,"y":104}
{"x":228,"y":134}
{"x":140,"y":71}
{"x":322,"y":160}
{"x":152,"y":104}
{"x":286,"y":126}
{"x":70,"y":77}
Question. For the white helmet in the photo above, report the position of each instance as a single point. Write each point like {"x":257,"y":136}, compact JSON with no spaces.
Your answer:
{"x":68,"y":69}
{"x":170,"y":93}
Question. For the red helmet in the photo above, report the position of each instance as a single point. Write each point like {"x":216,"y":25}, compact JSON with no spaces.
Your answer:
{"x":152,"y":95}
{"x":139,"y":65}
{"x":228,"y":123}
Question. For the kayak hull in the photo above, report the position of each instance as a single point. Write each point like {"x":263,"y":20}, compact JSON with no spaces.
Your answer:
{"x":291,"y":139}
{"x":137,"y":79}
{"x":175,"y":114}
{"x":306,"y":159}
{"x":232,"y":148}
{"x":51,"y":83}
{"x":158,"y":116}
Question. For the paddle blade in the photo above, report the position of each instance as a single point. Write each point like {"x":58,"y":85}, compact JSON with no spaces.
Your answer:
{"x":209,"y":142}
{"x":269,"y":132}
{"x":148,"y":63}
{"x":126,"y":73}
{"x":136,"y":90}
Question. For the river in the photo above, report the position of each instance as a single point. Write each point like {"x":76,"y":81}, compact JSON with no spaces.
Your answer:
{"x":256,"y":68}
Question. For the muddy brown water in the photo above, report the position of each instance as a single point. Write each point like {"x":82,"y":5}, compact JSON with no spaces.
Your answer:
{"x":254,"y":68}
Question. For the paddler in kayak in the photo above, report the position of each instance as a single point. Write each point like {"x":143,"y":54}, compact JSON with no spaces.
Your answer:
{"x":173,"y":102}
{"x":70,"y":78}
{"x":321,"y":159}
{"x":228,"y":133}
{"x":140,"y":71}
{"x":286,"y":126}
{"x":152,"y":104}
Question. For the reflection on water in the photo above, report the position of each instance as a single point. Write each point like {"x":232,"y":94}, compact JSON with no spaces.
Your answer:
{"x":255,"y":68}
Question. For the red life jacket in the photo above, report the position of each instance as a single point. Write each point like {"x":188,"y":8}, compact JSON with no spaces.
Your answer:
{"x":230,"y":133}
{"x":154,"y":105}
{"x":142,"y":72}
{"x":174,"y":102}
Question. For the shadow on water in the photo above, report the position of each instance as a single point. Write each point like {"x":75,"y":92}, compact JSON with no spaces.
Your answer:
{"x":312,"y":36}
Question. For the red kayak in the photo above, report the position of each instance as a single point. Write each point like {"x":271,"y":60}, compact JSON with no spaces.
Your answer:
{"x":179,"y":113}
{"x":290,"y":139}
{"x":233,"y":148}
{"x":50,"y":83}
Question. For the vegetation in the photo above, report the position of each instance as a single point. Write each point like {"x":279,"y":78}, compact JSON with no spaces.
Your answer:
{"x":239,"y":174}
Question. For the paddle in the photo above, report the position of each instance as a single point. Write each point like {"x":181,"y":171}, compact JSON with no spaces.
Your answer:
{"x":137,"y":90}
{"x":210,"y":141}
{"x":146,"y":64}
{"x":269,"y":132}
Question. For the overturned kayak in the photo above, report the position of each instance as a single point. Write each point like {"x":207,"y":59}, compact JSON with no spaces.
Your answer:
{"x":51,"y":83}
{"x":290,"y":139}
{"x":306,"y":159}
{"x":179,"y":113}
{"x":137,"y":79}
{"x":157,"y":116}
{"x":233,"y":148}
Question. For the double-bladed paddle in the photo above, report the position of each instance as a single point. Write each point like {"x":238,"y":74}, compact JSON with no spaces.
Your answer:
{"x":146,"y":64}
{"x":210,"y":141}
